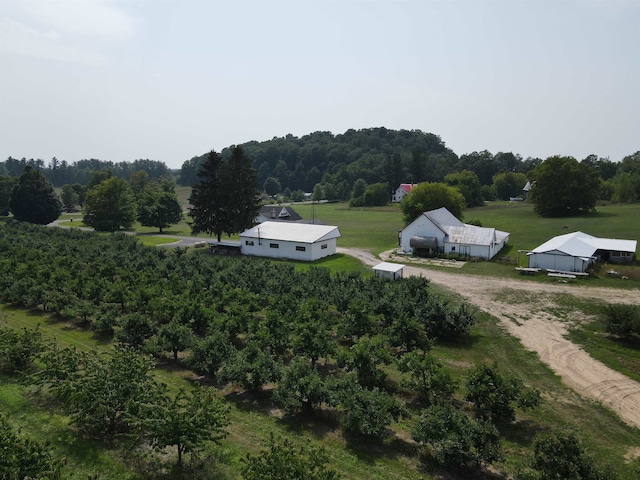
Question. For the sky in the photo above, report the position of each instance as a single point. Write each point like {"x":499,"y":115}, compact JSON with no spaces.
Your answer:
{"x":171,"y":79}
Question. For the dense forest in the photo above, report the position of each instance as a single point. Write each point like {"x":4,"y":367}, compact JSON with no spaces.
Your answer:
{"x":331,"y":166}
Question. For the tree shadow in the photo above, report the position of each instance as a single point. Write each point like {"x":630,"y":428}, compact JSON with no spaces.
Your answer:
{"x":521,"y":432}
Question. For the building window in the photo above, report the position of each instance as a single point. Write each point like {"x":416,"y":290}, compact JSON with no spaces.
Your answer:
{"x":323,"y":246}
{"x":453,"y":249}
{"x":301,"y":249}
{"x":274,"y":245}
{"x":248,"y":242}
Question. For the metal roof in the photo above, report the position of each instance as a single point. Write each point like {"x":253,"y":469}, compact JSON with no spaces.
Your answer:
{"x":388,"y":267}
{"x":443,"y":218}
{"x":580,"y":244}
{"x":472,"y":235}
{"x":292,"y":232}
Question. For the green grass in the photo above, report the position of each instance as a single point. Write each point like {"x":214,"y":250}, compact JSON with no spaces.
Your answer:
{"x":374,"y":229}
{"x":152,"y":241}
{"x":616,"y":353}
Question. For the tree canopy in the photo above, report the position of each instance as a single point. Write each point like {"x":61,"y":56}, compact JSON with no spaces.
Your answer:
{"x":429,"y":196}
{"x":110,"y":205}
{"x":226,"y":200}
{"x":33,"y":199}
{"x":158,"y":206}
{"x":564,"y":187}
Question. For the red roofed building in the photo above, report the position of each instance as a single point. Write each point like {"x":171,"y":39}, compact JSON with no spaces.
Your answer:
{"x":401,"y":191}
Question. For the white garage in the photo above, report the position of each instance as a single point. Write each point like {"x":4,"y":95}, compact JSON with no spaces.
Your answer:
{"x":296,"y":241}
{"x":575,"y":252}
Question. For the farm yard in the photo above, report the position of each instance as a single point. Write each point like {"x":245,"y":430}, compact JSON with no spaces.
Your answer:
{"x":511,"y":313}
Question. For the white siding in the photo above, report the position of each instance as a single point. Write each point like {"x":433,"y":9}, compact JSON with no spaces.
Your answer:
{"x":422,"y":227}
{"x":557,"y":261}
{"x":285,"y":249}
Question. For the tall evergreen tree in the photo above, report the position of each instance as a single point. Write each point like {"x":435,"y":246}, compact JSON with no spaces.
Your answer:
{"x":33,"y":198}
{"x":226,"y":200}
{"x":243,"y":190}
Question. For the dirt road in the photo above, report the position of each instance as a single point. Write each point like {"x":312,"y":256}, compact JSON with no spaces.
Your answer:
{"x":532,"y":321}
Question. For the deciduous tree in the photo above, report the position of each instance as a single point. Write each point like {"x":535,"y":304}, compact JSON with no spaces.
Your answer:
{"x":110,"y":205}
{"x":188,"y":421}
{"x":429,"y":196}
{"x":564,"y":187}
{"x":456,"y":439}
{"x":158,"y":206}
{"x":283,"y":460}
{"x":469,"y":186}
{"x":495,"y":395}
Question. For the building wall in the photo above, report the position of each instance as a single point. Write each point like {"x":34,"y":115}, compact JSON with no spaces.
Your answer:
{"x":398,"y":194}
{"x":422,"y":227}
{"x":551,"y":261}
{"x":479,"y":251}
{"x":290,"y":250}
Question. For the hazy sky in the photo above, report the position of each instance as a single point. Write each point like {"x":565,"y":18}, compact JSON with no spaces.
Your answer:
{"x":170,"y":79}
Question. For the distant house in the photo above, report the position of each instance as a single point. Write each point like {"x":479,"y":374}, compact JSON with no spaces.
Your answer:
{"x":575,"y":252}
{"x":440,"y":232}
{"x":527,"y":189}
{"x":401,"y":191}
{"x":277,"y":213}
{"x":296,"y":241}
{"x":391,"y":271}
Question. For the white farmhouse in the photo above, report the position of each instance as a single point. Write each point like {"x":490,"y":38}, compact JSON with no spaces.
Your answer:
{"x":296,"y":241}
{"x":440,"y":232}
{"x":575,"y":252}
{"x":402,"y":191}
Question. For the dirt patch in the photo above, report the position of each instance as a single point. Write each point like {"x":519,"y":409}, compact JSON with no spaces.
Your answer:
{"x":532,"y":319}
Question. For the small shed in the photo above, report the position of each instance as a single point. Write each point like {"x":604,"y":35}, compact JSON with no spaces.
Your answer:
{"x":392,"y":271}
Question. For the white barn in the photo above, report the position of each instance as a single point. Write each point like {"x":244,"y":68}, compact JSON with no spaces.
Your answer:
{"x":296,"y":241}
{"x":440,"y":232}
{"x":575,"y":252}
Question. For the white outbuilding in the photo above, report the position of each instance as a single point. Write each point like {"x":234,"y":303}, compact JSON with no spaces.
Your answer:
{"x":440,"y":232}
{"x":575,"y":252}
{"x":296,"y":241}
{"x":391,"y":271}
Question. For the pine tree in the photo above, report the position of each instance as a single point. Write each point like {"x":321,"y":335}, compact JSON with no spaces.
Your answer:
{"x":226,"y":200}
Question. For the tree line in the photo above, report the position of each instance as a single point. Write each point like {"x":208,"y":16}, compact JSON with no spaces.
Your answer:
{"x":61,"y":172}
{"x":323,"y":343}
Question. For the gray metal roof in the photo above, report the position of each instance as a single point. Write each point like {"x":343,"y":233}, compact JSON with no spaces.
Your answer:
{"x":472,"y":235}
{"x":443,"y":218}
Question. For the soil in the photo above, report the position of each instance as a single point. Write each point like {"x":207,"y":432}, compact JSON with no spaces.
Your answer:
{"x":532,"y":320}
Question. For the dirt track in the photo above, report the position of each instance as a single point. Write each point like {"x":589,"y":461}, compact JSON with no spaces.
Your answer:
{"x":529,"y":319}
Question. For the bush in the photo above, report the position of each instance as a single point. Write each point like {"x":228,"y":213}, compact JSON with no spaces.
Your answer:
{"x":622,"y":320}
